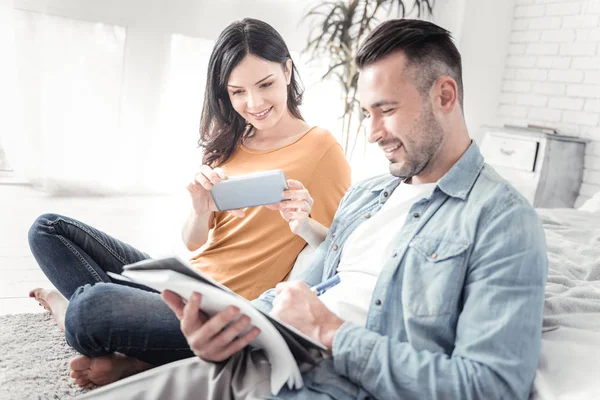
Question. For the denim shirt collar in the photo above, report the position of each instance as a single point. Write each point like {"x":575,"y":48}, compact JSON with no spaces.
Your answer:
{"x":457,"y":182}
{"x":390,"y":184}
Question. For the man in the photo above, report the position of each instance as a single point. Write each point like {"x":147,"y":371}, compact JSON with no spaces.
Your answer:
{"x":442,"y":265}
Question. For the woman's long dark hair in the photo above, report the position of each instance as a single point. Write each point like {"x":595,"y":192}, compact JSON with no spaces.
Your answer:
{"x":221,"y":127}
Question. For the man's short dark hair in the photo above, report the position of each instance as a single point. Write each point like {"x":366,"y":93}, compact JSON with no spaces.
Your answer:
{"x":429,"y":49}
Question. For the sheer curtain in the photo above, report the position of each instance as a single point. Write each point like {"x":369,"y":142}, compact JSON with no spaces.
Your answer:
{"x":69,"y":76}
{"x":8,"y":104}
{"x":101,"y":115}
{"x":180,"y":107}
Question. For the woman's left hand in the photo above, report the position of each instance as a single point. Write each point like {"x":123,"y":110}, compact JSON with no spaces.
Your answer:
{"x":296,"y":208}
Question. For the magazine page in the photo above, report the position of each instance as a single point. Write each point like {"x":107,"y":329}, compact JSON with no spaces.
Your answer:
{"x":176,"y":264}
{"x":183,"y":267}
{"x":284,"y":369}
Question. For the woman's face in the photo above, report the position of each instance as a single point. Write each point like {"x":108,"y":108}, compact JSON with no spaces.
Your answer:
{"x":258,"y":91}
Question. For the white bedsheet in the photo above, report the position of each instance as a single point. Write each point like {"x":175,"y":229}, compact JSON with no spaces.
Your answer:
{"x":570,"y":363}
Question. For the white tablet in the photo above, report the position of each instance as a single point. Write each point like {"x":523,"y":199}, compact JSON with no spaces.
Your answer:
{"x":256,"y":189}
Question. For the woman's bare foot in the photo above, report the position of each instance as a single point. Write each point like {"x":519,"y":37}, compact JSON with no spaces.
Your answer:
{"x":87,"y":371}
{"x":54,"y":302}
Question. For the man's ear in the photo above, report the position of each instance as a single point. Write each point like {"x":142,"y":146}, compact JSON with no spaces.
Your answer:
{"x":446,"y":93}
{"x":288,"y":71}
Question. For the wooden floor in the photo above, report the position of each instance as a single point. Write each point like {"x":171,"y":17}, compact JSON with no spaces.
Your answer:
{"x":151,"y":223}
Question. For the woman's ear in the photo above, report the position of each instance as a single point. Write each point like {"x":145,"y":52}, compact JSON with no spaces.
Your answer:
{"x":288,"y":70}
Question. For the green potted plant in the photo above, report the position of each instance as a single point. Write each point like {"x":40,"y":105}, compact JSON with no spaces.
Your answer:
{"x":336,"y":32}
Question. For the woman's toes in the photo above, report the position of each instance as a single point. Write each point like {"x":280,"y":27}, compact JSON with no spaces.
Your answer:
{"x":76,"y":374}
{"x":80,"y":363}
{"x":40,"y":295}
{"x":83,"y":382}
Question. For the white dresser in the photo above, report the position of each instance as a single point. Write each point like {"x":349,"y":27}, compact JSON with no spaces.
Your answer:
{"x":546,"y":168}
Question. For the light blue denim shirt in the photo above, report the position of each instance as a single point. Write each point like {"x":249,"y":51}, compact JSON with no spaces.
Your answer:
{"x":457,"y":309}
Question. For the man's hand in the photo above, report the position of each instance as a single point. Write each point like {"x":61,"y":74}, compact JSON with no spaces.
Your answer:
{"x":212,"y":339}
{"x":298,"y":306}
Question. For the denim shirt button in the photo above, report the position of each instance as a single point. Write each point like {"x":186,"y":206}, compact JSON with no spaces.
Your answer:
{"x":394,"y":255}
{"x":416,"y":215}
{"x":434,"y":256}
{"x":385,"y":194}
{"x":367,"y":215}
{"x":377,"y":302}
{"x":335,"y":247}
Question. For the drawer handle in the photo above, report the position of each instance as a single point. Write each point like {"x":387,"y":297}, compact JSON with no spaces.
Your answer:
{"x":507,"y":152}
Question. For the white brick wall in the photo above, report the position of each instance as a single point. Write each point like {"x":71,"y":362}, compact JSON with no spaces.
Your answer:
{"x":552,"y":74}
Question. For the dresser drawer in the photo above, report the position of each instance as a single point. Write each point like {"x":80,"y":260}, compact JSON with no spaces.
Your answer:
{"x":509,"y":152}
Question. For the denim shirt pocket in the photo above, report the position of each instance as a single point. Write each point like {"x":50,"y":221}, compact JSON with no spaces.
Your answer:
{"x":434,"y":270}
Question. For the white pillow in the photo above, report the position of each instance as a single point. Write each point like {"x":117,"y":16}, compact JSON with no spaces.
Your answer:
{"x":303,"y":262}
{"x":592,"y":204}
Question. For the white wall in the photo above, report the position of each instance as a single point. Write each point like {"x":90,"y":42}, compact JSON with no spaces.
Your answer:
{"x":481,"y":29}
{"x":483,"y":43}
{"x":552,"y":74}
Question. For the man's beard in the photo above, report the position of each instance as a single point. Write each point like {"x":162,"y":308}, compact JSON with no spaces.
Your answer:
{"x":421,"y":152}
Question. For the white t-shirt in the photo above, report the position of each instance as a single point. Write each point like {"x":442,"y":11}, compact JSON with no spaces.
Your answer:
{"x":365,"y":251}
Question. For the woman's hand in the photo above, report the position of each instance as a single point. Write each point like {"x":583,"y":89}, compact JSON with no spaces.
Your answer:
{"x":199,"y":188}
{"x":296,"y":211}
{"x":212,"y":339}
{"x":296,"y":208}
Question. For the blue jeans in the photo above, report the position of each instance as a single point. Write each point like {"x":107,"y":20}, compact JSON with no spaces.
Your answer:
{"x":104,"y":317}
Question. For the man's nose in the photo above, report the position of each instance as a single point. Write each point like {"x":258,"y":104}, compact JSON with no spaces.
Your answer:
{"x":375,"y":130}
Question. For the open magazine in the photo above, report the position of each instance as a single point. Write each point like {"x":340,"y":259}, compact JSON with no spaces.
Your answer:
{"x":286,"y":347}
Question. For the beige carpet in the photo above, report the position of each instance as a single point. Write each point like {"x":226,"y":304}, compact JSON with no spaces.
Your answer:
{"x":34,"y":359}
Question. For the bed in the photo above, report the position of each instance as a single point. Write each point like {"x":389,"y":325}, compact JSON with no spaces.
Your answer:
{"x":569,"y":367}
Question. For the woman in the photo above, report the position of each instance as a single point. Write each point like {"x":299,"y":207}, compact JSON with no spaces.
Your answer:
{"x":250,"y":122}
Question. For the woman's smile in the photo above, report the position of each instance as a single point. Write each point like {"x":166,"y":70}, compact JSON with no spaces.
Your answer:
{"x":262,"y":114}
